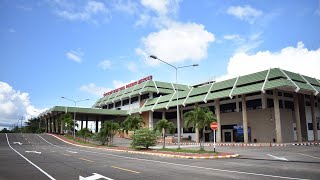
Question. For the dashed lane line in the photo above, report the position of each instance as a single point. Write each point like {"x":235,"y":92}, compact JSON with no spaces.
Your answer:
{"x":124,"y":169}
{"x":86,"y":160}
{"x":309,"y":156}
{"x":176,"y":164}
{"x":66,"y":154}
{"x":45,"y":173}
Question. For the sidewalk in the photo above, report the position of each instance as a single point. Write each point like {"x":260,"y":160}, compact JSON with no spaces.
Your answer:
{"x":153,"y":152}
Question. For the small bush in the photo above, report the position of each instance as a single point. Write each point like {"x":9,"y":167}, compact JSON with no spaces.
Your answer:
{"x":145,"y":138}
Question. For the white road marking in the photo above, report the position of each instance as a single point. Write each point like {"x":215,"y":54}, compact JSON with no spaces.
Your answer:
{"x":94,"y":177}
{"x":36,"y":152}
{"x":17,"y":143}
{"x":72,"y":152}
{"x":280,"y":158}
{"x":309,"y":156}
{"x":26,"y":139}
{"x":50,"y":177}
{"x":183,"y":165}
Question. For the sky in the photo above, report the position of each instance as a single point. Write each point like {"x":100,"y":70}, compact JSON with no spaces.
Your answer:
{"x":81,"y":49}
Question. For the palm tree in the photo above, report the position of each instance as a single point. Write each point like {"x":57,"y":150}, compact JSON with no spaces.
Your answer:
{"x":164,"y":125}
{"x":111,"y":128}
{"x":200,"y":118}
{"x":132,"y":123}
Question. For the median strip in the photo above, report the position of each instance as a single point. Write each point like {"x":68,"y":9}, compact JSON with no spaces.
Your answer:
{"x":158,"y":153}
{"x":126,"y":169}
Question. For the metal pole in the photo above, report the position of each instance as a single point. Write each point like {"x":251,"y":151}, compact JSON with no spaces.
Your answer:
{"x":178,"y":114}
{"x":214,"y":140}
{"x":74,"y":120}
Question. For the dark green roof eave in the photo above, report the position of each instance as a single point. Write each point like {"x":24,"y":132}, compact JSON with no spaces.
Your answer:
{"x":88,"y":110}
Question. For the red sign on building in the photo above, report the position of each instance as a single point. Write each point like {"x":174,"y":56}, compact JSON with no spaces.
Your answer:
{"x":128,"y":85}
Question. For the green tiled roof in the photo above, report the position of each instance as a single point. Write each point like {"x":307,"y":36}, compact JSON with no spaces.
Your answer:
{"x":148,"y":86}
{"x":244,"y":85}
{"x":277,"y":78}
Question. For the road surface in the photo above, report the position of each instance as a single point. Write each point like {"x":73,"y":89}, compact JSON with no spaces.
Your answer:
{"x":32,"y":156}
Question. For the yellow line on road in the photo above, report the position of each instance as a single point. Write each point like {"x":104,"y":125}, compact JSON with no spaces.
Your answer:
{"x":86,"y":160}
{"x":66,"y":154}
{"x":126,"y":169}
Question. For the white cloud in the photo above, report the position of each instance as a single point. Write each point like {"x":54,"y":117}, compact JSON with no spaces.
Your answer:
{"x":177,"y":43}
{"x":94,"y":89}
{"x":75,"y":56}
{"x":245,"y":13}
{"x":232,"y":37}
{"x":143,"y":20}
{"x":244,"y":44}
{"x":297,"y":59}
{"x":106,"y":64}
{"x":132,"y":67}
{"x":160,"y":6}
{"x":128,"y":6}
{"x":249,"y":43}
{"x":88,"y":12}
{"x":14,"y":105}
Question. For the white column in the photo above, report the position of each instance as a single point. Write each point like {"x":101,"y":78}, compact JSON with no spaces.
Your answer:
{"x":313,"y":116}
{"x":237,"y":104}
{"x":277,"y":116}
{"x":245,"y":119}
{"x":263,"y":100}
{"x":150,"y":113}
{"x":217,"y":112}
{"x":297,"y":116}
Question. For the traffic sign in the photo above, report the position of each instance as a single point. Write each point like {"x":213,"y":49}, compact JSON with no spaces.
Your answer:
{"x":214,"y":126}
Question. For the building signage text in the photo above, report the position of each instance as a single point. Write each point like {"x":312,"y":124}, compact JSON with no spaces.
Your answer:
{"x":128,"y":86}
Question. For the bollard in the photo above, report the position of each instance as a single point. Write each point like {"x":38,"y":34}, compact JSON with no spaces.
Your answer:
{"x":270,"y":144}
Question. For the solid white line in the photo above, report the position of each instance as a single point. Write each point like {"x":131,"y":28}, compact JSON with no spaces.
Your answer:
{"x":184,"y":165}
{"x":280,"y":158}
{"x":50,"y":177}
{"x":309,"y":156}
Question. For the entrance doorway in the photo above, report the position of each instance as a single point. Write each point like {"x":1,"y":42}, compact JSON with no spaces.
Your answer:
{"x":227,"y":136}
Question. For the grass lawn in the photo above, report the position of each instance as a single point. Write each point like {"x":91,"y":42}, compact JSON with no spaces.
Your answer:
{"x":80,"y":141}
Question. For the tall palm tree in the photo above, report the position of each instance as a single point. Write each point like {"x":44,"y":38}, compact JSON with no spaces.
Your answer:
{"x":112,"y":129}
{"x":164,"y":125}
{"x":200,"y":118}
{"x":132,"y":123}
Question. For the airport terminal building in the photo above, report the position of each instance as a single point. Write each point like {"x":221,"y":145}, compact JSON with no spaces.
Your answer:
{"x":274,"y":105}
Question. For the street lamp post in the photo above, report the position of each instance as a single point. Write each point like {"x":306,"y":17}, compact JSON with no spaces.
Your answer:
{"x":74,"y":114}
{"x":178,"y":113}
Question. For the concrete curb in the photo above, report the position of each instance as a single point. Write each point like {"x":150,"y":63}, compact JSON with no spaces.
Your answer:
{"x":232,"y":144}
{"x":152,"y":153}
{"x":305,"y":144}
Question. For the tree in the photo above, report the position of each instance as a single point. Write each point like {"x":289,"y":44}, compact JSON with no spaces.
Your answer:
{"x":5,"y":130}
{"x":200,"y":118}
{"x":32,"y":125}
{"x":112,"y":129}
{"x":144,"y":137}
{"x":85,"y":133}
{"x":107,"y":132}
{"x":132,"y":123}
{"x":163,"y":126}
{"x":68,"y":121}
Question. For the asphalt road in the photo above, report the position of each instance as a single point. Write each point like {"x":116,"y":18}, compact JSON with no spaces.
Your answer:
{"x":45,"y":157}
